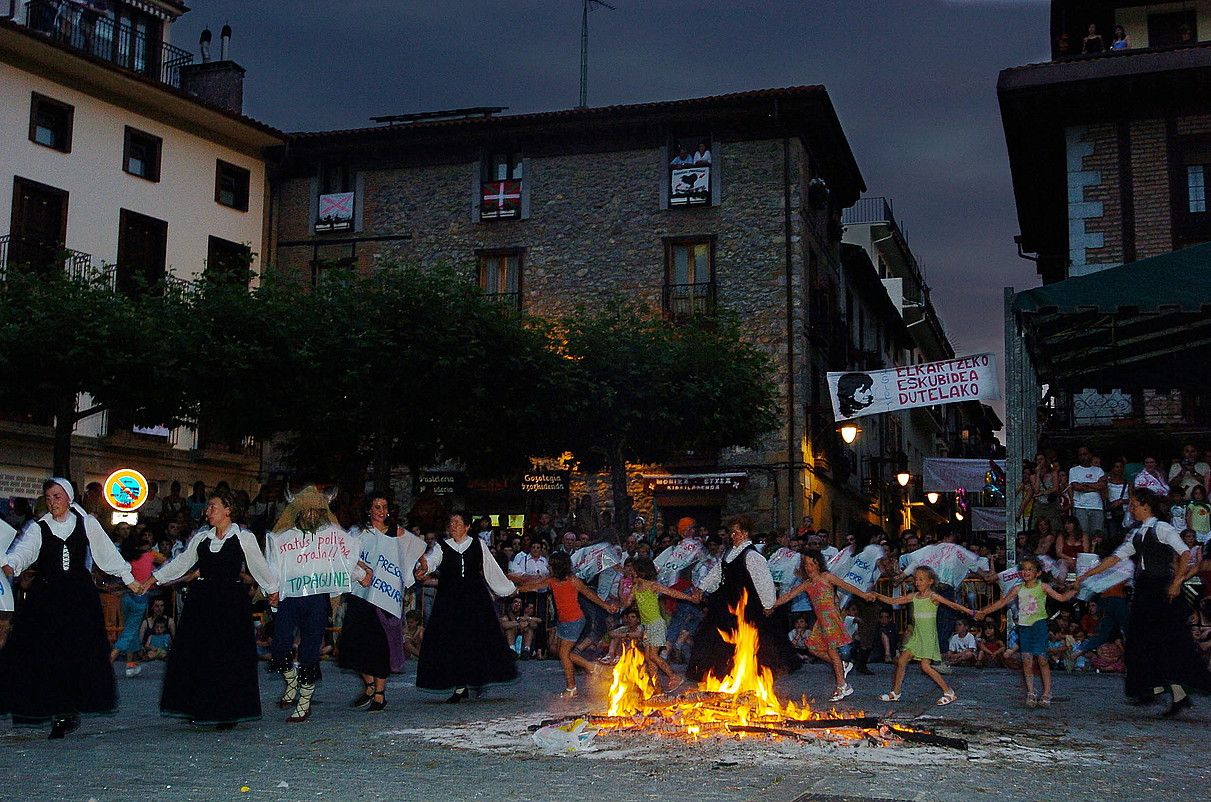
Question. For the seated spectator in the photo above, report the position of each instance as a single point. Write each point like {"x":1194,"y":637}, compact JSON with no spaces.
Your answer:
{"x":414,"y":633}
{"x":798,"y":637}
{"x":518,"y":633}
{"x":1092,"y":618}
{"x":1057,"y":646}
{"x":991,"y":647}
{"x":1108,"y":659}
{"x":961,"y":651}
{"x":887,"y":645}
{"x":1121,"y":42}
{"x":158,"y":641}
{"x":1073,"y":661}
{"x":631,"y":632}
{"x":1011,"y":658}
{"x":1177,"y":506}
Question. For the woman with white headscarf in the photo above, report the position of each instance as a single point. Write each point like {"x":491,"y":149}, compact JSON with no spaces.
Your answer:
{"x":55,"y":665}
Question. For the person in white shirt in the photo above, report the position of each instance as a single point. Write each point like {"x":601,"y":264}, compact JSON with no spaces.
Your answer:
{"x":742,"y":575}
{"x":961,"y":650}
{"x":55,"y":664}
{"x":1189,"y":471}
{"x":1087,"y":484}
{"x":464,"y":648}
{"x":1160,"y":652}
{"x":312,"y":559}
{"x":702,"y":156}
{"x":525,"y":567}
{"x":210,"y":676}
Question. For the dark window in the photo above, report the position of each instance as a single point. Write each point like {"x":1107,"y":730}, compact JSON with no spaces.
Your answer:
{"x":689,"y":277}
{"x":499,"y":276}
{"x":689,"y":160}
{"x":38,"y":226}
{"x":227,"y":261}
{"x":1173,"y":28}
{"x":500,"y":188}
{"x":50,"y":122}
{"x":142,"y":252}
{"x":1190,"y":171}
{"x":331,"y":260}
{"x":141,"y":154}
{"x":231,"y":185}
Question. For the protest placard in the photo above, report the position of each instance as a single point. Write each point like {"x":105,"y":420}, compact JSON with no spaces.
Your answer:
{"x":950,"y":381}
{"x":311,"y":563}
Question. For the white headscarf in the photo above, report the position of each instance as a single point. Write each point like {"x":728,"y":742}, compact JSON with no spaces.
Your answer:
{"x":71,"y":495}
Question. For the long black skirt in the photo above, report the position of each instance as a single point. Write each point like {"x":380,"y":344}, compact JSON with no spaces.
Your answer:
{"x":363,"y":643}
{"x":712,"y":655}
{"x":464,"y":646}
{"x":56,"y":660}
{"x":211,"y":674}
{"x":1160,"y":650}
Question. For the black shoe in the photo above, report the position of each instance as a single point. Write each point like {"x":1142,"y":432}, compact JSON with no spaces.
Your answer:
{"x":226,"y":725}
{"x":457,"y":696}
{"x":63,"y":727}
{"x":377,"y":705}
{"x":1176,"y":707}
{"x":365,"y":698}
{"x":1146,"y":699}
{"x":862,"y":669}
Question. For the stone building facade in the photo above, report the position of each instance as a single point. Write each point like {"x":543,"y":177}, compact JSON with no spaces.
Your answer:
{"x":595,"y":218}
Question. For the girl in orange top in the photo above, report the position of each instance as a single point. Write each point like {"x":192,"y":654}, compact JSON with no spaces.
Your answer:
{"x":566,"y":588}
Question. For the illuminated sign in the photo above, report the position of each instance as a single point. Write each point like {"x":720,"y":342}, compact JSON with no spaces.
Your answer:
{"x":696,"y":483}
{"x":125,"y":490}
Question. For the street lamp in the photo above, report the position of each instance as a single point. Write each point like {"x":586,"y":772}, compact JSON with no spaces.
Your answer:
{"x":932,"y":497}
{"x":903,"y":477}
{"x":849,"y":432}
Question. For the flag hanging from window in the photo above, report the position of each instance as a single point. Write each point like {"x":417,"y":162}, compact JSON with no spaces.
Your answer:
{"x":500,"y":199}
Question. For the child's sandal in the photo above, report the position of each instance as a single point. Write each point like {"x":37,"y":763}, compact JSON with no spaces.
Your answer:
{"x":1032,"y":700}
{"x":1045,"y":700}
{"x":891,"y":696}
{"x":947,"y":698}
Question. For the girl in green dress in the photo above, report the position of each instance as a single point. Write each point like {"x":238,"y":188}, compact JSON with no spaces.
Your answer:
{"x":923,"y":645}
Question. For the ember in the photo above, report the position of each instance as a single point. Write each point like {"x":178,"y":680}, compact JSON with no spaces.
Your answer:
{"x":740,"y":705}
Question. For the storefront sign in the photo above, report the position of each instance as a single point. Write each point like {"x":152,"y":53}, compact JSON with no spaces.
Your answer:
{"x":969,"y":378}
{"x":545,"y":482}
{"x":696,"y":483}
{"x":443,"y":483}
{"x":125,"y":490}
{"x":15,"y":483}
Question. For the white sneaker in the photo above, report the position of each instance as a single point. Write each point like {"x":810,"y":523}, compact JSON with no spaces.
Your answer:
{"x":133,"y":670}
{"x":842,"y":692}
{"x":846,"y":667}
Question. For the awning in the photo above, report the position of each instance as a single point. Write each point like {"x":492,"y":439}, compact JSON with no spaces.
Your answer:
{"x":1129,"y":326}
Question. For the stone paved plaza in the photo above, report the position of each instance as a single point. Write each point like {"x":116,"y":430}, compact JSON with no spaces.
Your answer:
{"x":1088,"y":746}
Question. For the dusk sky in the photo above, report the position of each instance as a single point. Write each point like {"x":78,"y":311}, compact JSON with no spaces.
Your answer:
{"x":914,"y":83}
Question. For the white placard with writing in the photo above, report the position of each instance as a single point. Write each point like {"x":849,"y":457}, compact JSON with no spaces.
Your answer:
{"x":858,"y":393}
{"x":312,"y":563}
{"x":7,"y":535}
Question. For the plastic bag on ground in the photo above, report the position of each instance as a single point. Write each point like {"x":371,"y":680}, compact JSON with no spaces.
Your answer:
{"x":575,"y":736}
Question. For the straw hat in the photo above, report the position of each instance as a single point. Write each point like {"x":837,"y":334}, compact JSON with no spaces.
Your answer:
{"x":309,"y":498}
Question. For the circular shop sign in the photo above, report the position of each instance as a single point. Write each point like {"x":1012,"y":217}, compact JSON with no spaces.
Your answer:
{"x":126,"y":490}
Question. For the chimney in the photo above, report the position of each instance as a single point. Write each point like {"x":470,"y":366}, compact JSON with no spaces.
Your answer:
{"x":216,"y":83}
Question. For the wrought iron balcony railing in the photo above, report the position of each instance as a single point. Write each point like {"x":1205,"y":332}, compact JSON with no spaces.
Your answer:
{"x":686,"y":300}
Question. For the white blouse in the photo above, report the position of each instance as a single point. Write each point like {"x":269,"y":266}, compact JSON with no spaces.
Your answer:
{"x":104,"y":553}
{"x":1165,"y":533}
{"x":180,"y":565}
{"x":498,"y":583}
{"x":758,"y":569}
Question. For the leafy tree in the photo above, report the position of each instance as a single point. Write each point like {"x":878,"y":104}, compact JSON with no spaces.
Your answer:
{"x":61,"y":337}
{"x":645,"y":389}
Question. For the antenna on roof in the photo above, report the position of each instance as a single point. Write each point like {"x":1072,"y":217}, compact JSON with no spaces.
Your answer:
{"x":584,"y":48}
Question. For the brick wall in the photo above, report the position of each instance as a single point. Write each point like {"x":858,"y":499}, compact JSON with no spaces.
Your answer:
{"x":1104,"y":159}
{"x":1150,"y":180}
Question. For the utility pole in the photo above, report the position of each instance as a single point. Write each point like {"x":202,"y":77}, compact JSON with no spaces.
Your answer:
{"x":584,"y":48}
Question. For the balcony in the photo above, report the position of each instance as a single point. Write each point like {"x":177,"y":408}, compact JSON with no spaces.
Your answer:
{"x":39,"y":256}
{"x":97,"y":35}
{"x":688,"y":300}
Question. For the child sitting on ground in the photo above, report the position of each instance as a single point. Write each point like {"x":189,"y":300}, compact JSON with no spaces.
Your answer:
{"x":414,"y":633}
{"x":157,"y":642}
{"x":889,"y":638}
{"x":1108,"y":658}
{"x":798,"y":637}
{"x":991,"y":647}
{"x":631,"y":631}
{"x":961,"y":650}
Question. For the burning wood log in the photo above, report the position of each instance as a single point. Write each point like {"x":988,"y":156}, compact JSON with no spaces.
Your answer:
{"x":864,"y":722}
{"x":766,"y":731}
{"x":927,"y":738}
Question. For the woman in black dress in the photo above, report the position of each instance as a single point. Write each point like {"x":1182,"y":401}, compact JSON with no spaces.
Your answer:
{"x":211,"y":674}
{"x":464,"y":647}
{"x":372,"y":637}
{"x":1160,"y":652}
{"x":55,"y":664}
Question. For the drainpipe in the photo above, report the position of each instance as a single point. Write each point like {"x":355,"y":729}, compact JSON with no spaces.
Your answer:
{"x":793,"y":457}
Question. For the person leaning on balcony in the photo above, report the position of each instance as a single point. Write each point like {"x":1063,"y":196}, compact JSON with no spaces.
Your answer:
{"x":1092,"y":43}
{"x":1121,"y":42}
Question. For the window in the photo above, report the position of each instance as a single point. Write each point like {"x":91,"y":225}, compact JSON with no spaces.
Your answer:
{"x":141,"y":154}
{"x":227,"y":261}
{"x":690,"y":171}
{"x":1196,"y":187}
{"x":501,"y":187}
{"x":500,"y":276}
{"x":50,"y":122}
{"x":231,"y":185}
{"x":331,"y":261}
{"x":142,"y":252}
{"x":337,"y":196}
{"x":689,"y":277}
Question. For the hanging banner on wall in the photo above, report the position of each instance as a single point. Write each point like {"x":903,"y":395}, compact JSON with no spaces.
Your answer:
{"x":969,"y":378}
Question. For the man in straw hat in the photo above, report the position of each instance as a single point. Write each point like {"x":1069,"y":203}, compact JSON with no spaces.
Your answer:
{"x":314,"y":560}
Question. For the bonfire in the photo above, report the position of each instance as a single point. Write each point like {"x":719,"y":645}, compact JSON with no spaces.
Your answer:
{"x":742,"y":704}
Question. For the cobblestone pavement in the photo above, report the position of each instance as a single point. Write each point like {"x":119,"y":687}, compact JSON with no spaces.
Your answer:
{"x":1088,"y":746}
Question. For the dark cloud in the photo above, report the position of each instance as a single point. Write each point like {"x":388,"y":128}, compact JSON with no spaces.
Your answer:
{"x":913,"y":82}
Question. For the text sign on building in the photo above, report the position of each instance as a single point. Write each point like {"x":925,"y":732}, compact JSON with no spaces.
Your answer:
{"x":696,"y":483}
{"x":443,"y":483}
{"x":545,"y":482}
{"x":970,"y":378}
{"x":125,"y":490}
